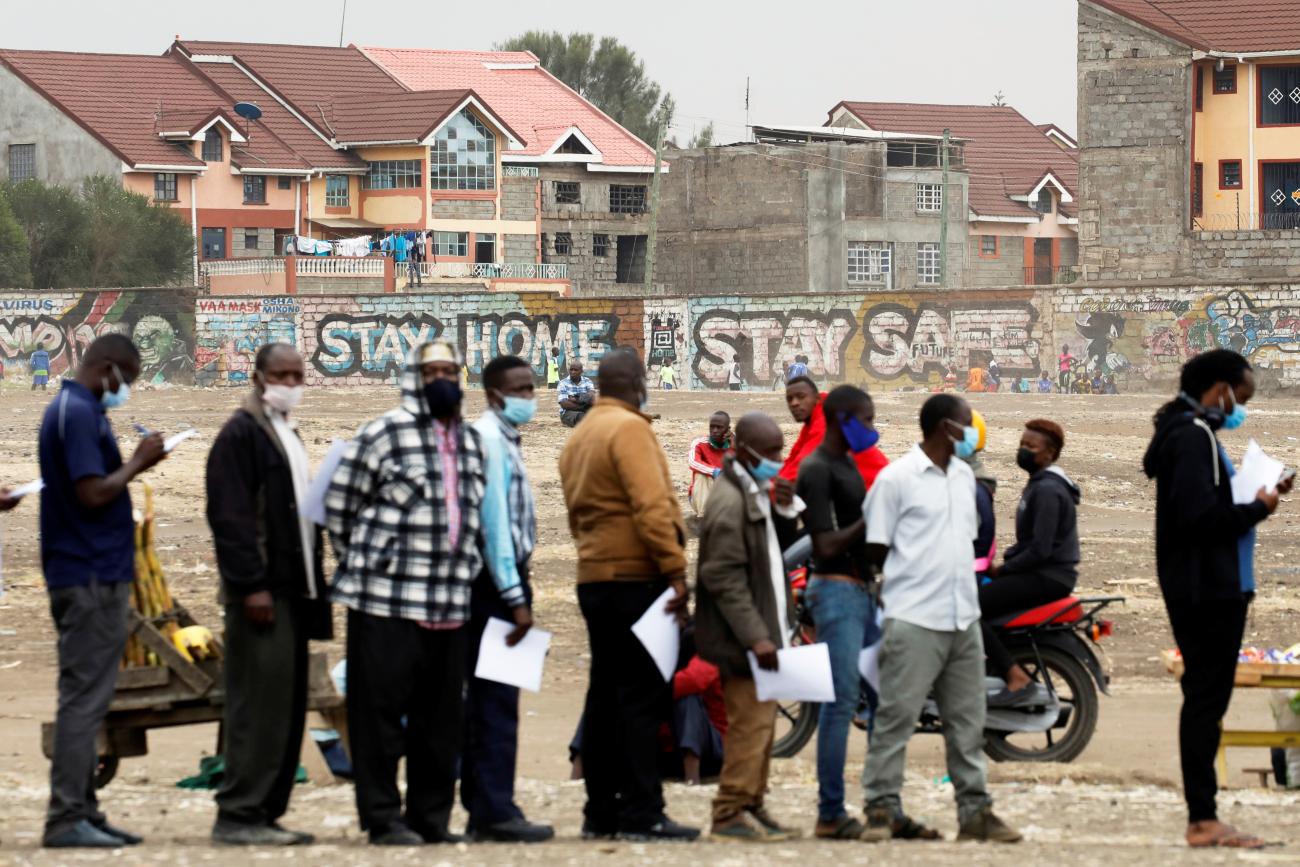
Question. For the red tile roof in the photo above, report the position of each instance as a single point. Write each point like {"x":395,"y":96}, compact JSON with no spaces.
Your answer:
{"x":537,"y":105}
{"x":1218,"y":25}
{"x":1005,"y":154}
{"x":403,"y":117}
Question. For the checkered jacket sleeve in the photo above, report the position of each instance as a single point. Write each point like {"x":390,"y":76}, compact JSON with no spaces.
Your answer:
{"x":350,"y":489}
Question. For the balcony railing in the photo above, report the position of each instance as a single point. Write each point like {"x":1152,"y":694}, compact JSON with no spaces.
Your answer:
{"x":493,"y":270}
{"x":339,"y":266}
{"x":1046,"y":275}
{"x":241,"y":267}
{"x":519,"y":171}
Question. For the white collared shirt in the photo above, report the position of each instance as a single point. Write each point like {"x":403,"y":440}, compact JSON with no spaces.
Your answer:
{"x":927,"y":518}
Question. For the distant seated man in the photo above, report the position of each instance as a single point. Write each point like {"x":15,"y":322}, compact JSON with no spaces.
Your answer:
{"x":705,"y":459}
{"x":1044,"y":383}
{"x":576,"y":394}
{"x":798,"y":368}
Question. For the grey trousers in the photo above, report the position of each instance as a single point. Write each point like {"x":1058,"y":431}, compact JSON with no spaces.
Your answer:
{"x":91,"y":625}
{"x":914,"y":661}
{"x":266,"y":707}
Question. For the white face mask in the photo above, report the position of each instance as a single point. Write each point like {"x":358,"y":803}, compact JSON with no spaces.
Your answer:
{"x":282,"y":398}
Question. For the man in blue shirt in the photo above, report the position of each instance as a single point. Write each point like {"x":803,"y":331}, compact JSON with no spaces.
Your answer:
{"x":88,"y":556}
{"x":577,"y":394}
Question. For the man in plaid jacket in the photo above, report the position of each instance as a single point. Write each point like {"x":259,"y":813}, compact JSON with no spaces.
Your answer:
{"x":403,"y":515}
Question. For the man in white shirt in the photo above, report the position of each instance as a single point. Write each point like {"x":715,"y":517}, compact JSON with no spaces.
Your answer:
{"x":921,"y":527}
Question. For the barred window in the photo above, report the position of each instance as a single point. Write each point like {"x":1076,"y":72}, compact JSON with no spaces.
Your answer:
{"x":563,"y":243}
{"x":1279,"y":95}
{"x":600,"y":245}
{"x":989,"y":246}
{"x":254,"y":189}
{"x":869,"y":261}
{"x":451,"y":244}
{"x":627,"y":199}
{"x":337,"y":191}
{"x":929,"y":198}
{"x":927,"y":264}
{"x":568,"y":193}
{"x":250,"y":239}
{"x":464,"y":155}
{"x":212,"y":146}
{"x":164,"y":187}
{"x":284,"y":182}
{"x":22,"y":162}
{"x":392,"y":175}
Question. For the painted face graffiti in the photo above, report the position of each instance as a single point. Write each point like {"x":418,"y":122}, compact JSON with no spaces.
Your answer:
{"x":764,"y":342}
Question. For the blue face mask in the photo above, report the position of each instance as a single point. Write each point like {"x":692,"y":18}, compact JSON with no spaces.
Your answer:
{"x":114,"y":399}
{"x":970,"y":439}
{"x":1237,"y":417}
{"x":857,"y":435}
{"x":766,"y":469}
{"x":519,"y":410}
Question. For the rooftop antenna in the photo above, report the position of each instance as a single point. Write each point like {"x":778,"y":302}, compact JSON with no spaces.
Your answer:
{"x":342,"y":21}
{"x":249,"y":112}
{"x":749,"y":130}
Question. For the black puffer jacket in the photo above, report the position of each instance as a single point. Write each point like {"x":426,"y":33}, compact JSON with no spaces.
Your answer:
{"x":1197,"y":524}
{"x":1047,"y":529}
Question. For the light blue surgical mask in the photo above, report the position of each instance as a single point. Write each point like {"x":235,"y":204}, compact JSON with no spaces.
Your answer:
{"x":1237,"y":417}
{"x":114,"y":399}
{"x":970,"y":439}
{"x":519,"y":410}
{"x":766,"y":469}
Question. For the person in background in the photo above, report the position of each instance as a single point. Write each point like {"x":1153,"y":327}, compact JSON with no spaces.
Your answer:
{"x":630,"y":536}
{"x":1042,"y":566}
{"x":699,"y":725}
{"x":921,"y":521}
{"x":839,"y":587}
{"x":1044,"y":383}
{"x":1098,"y":383}
{"x":275,"y":599}
{"x":743,"y":606}
{"x":986,"y":486}
{"x":1205,"y":545}
{"x":705,"y":459}
{"x":797,"y":369}
{"x":502,"y":590}
{"x":975,"y":381}
{"x":87,"y":537}
{"x":805,"y":404}
{"x":553,"y":365}
{"x":667,"y":376}
{"x":576,"y":395}
{"x":735,"y":376}
{"x":403,"y":512}
{"x":1065,"y":368}
{"x":994,"y":376}
{"x":415,"y":260}
{"x":1109,"y":386}
{"x":40,"y":368}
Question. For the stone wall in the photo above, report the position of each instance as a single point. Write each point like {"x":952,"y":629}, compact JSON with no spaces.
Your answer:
{"x":518,"y":198}
{"x":1260,"y":253}
{"x":1007,"y":268}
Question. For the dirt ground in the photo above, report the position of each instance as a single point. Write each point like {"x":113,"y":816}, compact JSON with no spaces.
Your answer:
{"x":1118,"y":804}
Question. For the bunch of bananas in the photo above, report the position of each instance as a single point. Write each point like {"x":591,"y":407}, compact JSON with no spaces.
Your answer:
{"x":149,"y":594}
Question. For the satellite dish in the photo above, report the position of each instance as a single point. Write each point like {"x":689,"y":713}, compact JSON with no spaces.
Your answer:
{"x":248,"y":110}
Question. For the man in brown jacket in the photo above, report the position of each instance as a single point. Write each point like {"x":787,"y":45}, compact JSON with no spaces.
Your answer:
{"x":624,"y":517}
{"x":743,"y":606}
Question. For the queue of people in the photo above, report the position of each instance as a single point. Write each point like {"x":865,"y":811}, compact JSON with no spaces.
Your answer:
{"x":433,"y":522}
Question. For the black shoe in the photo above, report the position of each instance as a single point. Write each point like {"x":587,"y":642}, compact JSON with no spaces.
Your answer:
{"x":665,"y":830}
{"x":518,"y":830}
{"x":1030,"y":695}
{"x":439,"y":835}
{"x":229,"y":833}
{"x":395,"y":834}
{"x":83,"y":835}
{"x":303,"y":838}
{"x":126,"y":837}
{"x":591,"y":832}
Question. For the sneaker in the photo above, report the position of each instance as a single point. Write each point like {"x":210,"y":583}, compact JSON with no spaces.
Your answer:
{"x":126,"y":837}
{"x":395,"y":834}
{"x":738,"y":829}
{"x":985,"y":826}
{"x":82,"y":835}
{"x":774,"y":830}
{"x":880,"y":825}
{"x":304,"y":839}
{"x":1031,"y":694}
{"x":238,"y":834}
{"x":665,"y":830}
{"x":518,"y":830}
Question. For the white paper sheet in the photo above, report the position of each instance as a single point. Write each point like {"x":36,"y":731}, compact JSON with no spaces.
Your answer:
{"x":803,"y":674}
{"x":29,"y":488}
{"x":1258,"y":470}
{"x":176,"y":439}
{"x":869,"y":658}
{"x":659,"y":632}
{"x":520,"y":665}
{"x":320,"y":483}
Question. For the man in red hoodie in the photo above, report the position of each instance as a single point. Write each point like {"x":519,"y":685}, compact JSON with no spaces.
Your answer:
{"x":805,"y":404}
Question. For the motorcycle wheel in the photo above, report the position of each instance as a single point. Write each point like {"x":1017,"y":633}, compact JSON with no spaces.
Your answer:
{"x":105,"y":770}
{"x":796,"y":723}
{"x":1075,"y":688}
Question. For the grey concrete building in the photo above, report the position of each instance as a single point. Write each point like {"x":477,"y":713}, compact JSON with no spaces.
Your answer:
{"x":38,"y":140}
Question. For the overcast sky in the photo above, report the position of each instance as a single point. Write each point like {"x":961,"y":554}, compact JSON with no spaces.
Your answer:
{"x":801,"y":57}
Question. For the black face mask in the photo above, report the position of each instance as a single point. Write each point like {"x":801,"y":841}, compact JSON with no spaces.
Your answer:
{"x":443,"y":396}
{"x":1026,"y":461}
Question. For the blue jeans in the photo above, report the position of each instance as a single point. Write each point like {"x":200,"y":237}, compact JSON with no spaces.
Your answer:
{"x":843,"y":612}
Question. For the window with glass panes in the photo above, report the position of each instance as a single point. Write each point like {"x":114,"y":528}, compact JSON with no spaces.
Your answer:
{"x":250,"y":239}
{"x":868,"y":261}
{"x":600,"y":245}
{"x":929,"y":198}
{"x":392,"y":175}
{"x":254,"y":189}
{"x":212,"y":146}
{"x":1279,"y":95}
{"x":451,"y":244}
{"x":284,"y":182}
{"x":927,"y":264}
{"x":563,"y":243}
{"x":464,"y":155}
{"x":627,"y":198}
{"x":22,"y":162}
{"x":989,"y":246}
{"x":568,"y":193}
{"x":336,"y":191}
{"x":164,"y":187}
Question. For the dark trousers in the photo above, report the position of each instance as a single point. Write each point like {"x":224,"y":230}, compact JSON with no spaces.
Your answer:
{"x":91,"y":625}
{"x":693,"y":732}
{"x":627,"y":700}
{"x":266,"y":706}
{"x":1007,"y":596}
{"x":1208,"y":634}
{"x":487,"y":763}
{"x":396,"y":669}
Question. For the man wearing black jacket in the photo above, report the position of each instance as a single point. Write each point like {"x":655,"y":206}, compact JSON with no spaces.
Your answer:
{"x":1201,"y":535}
{"x":269,"y":556}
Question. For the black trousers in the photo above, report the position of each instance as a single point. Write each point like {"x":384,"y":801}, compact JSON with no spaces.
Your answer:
{"x":627,"y":700}
{"x":1208,"y":634}
{"x":91,"y":623}
{"x":487,"y":764}
{"x":396,"y":669}
{"x":266,"y":707}
{"x":1006,"y":596}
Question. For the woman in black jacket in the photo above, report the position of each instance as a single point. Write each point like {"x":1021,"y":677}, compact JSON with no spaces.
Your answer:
{"x":1042,"y":566}
{"x":1200,"y":534}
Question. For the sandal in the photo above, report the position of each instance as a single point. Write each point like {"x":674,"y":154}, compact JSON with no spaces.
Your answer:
{"x":908,"y":828}
{"x":1230,"y":838}
{"x":846,"y":828}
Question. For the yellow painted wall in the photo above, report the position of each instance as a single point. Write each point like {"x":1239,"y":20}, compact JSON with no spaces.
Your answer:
{"x":393,"y":210}
{"x":142,"y":183}
{"x":318,"y":198}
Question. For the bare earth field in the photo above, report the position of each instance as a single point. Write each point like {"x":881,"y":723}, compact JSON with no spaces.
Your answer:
{"x":1117,"y":805}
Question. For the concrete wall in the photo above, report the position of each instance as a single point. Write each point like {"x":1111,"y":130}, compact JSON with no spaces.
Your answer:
{"x":590,"y":274}
{"x":65,"y":153}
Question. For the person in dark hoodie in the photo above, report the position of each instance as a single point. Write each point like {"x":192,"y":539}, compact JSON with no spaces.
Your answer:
{"x":1042,"y":566}
{"x":1204,"y":556}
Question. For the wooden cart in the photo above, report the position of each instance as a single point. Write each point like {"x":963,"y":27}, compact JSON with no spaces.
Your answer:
{"x":180,"y":692}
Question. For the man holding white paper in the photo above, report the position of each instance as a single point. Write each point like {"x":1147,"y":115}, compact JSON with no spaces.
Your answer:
{"x":743,"y":608}
{"x":508,"y":519}
{"x":921,"y":527}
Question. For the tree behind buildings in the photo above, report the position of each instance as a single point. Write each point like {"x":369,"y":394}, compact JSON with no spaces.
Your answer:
{"x":15,"y":265}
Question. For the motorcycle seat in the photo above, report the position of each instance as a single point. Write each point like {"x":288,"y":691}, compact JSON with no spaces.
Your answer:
{"x":1062,"y":611}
